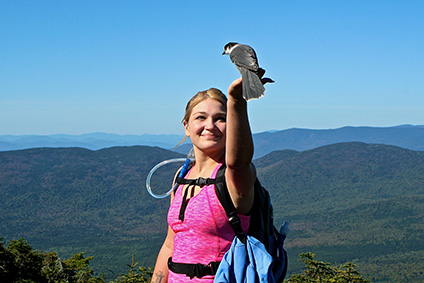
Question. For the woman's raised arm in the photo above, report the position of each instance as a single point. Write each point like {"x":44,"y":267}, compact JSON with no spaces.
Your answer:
{"x":240,"y":173}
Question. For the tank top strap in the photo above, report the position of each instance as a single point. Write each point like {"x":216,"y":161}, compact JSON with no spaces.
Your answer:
{"x":215,"y":171}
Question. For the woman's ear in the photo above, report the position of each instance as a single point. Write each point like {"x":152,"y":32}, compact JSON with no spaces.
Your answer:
{"x":186,"y":129}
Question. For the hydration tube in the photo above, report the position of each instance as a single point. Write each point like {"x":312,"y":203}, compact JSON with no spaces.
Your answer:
{"x":182,"y":172}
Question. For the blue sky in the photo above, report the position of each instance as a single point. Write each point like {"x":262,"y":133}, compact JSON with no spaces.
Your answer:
{"x":129,"y":67}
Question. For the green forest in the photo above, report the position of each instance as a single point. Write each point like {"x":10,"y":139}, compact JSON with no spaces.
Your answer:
{"x":348,"y":203}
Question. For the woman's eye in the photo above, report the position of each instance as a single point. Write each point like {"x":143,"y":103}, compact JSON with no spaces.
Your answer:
{"x":221,"y":118}
{"x":200,"y":118}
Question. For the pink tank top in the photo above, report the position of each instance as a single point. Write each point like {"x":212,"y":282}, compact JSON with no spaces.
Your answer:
{"x":205,"y":235}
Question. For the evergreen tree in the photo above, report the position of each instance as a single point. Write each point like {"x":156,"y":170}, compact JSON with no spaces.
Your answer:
{"x":318,"y":271}
{"x":142,"y":275}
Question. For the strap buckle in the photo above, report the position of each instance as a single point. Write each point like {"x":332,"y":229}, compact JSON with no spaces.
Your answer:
{"x":201,"y":270}
{"x":202,"y":182}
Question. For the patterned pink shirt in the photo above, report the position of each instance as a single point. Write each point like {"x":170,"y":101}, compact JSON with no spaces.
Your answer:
{"x":205,"y":235}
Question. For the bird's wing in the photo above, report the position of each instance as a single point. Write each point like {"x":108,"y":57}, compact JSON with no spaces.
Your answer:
{"x":244,"y":56}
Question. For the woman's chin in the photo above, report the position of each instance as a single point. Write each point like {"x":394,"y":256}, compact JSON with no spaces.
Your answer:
{"x":211,"y":146}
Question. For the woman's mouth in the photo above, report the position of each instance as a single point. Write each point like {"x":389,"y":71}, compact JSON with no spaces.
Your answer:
{"x":209,"y":136}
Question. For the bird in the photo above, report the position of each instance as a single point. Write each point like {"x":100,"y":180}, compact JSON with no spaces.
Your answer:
{"x":244,"y":57}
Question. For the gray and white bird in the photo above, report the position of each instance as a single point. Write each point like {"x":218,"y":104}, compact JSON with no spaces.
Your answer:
{"x":244,"y":57}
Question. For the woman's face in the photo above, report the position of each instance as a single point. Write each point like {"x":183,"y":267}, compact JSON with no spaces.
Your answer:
{"x":206,"y":126}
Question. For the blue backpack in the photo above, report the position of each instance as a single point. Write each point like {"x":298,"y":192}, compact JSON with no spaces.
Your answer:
{"x":262,"y":236}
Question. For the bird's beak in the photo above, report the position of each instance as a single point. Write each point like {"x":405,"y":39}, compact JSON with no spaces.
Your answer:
{"x":223,"y":53}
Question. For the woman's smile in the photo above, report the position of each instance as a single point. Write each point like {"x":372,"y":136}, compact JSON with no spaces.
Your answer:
{"x":210,"y":136}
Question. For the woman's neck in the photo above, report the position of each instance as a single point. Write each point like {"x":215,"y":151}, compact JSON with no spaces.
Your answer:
{"x":205,"y":164}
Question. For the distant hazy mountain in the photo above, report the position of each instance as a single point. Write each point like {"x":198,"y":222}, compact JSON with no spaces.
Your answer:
{"x":406,"y":136}
{"x":91,"y":141}
{"x":347,"y":201}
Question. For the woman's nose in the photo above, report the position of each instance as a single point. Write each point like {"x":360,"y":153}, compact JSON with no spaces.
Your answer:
{"x":209,"y":124}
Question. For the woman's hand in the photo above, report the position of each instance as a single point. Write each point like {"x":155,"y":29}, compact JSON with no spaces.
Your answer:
{"x":235,"y":89}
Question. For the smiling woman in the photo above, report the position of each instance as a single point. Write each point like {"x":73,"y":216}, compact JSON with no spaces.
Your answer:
{"x":199,"y":233}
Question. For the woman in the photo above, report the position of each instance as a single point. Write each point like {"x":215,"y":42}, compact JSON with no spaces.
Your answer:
{"x":199,"y":231}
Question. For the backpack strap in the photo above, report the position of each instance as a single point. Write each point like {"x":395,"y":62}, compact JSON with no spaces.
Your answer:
{"x":180,"y":180}
{"x":199,"y":181}
{"x":193,"y":269}
{"x":180,"y":174}
{"x":228,"y":205}
{"x":191,"y":184}
{"x":222,"y":194}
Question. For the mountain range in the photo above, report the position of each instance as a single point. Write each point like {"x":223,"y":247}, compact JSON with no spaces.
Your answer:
{"x":346,"y":201}
{"x":92,"y":141}
{"x":406,"y":136}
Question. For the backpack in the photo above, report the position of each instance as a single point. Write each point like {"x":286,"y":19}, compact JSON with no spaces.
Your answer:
{"x":261,"y":226}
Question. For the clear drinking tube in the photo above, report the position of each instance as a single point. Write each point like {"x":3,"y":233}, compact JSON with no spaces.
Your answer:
{"x":149,"y":176}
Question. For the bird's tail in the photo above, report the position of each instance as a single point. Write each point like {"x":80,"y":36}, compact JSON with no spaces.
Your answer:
{"x":252,"y":85}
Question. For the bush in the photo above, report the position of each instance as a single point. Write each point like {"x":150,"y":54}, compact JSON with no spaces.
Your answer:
{"x":19,"y":263}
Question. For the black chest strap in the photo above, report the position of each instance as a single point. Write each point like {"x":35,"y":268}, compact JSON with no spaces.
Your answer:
{"x":223,"y":197}
{"x":201,"y":182}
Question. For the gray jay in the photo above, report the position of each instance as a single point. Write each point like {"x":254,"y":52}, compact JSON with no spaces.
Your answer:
{"x":244,"y":57}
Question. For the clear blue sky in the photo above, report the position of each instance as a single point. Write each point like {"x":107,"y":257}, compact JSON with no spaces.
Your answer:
{"x":129,"y":67}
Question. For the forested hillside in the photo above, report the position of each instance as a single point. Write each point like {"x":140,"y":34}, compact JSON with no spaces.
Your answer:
{"x":72,"y":200}
{"x":353,"y":201}
{"x":348,"y":201}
